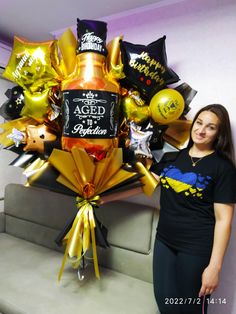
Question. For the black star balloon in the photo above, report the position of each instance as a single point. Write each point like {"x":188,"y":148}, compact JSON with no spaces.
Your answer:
{"x":158,"y":131}
{"x":146,"y":67}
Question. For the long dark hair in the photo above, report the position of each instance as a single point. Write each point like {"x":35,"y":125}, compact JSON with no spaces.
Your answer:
{"x":223,"y":144}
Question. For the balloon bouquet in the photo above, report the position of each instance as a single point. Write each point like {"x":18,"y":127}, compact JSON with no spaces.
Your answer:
{"x":88,"y":116}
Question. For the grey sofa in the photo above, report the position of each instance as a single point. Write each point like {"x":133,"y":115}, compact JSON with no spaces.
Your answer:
{"x":30,"y":259}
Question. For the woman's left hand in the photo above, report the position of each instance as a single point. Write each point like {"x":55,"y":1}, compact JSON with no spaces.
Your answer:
{"x":210,"y":280}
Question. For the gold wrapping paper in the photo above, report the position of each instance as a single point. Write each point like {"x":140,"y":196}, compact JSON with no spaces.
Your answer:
{"x":87,"y":178}
{"x":178,"y":133}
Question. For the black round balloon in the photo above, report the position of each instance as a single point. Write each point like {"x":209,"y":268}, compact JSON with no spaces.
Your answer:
{"x":11,"y":108}
{"x":146,"y":67}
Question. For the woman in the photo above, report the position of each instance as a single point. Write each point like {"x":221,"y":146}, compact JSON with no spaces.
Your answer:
{"x":197,"y":196}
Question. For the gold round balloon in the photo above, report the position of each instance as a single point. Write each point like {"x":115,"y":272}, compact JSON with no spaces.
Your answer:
{"x":166,"y":106}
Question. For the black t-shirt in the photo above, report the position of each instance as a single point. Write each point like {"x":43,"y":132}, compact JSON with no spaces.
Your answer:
{"x":187,"y":200}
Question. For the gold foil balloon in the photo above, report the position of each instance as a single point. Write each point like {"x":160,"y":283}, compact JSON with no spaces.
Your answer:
{"x":91,"y":98}
{"x":36,"y":105}
{"x":166,"y":106}
{"x":114,"y":63}
{"x":67,"y":44}
{"x":30,"y":64}
{"x":36,"y":136}
{"x":134,"y":108}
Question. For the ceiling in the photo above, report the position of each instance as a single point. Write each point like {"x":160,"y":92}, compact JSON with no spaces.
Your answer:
{"x":36,"y":20}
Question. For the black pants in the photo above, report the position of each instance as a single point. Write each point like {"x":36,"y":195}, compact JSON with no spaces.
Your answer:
{"x":177,"y":281}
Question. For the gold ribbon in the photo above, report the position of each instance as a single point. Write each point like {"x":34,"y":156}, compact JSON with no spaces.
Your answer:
{"x":77,"y":240}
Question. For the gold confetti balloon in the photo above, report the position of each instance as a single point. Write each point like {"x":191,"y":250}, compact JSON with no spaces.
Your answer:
{"x":30,"y":63}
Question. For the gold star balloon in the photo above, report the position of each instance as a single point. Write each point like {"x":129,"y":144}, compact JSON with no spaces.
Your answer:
{"x":36,"y":105}
{"x":36,"y":136}
{"x":30,"y":64}
{"x":134,"y":108}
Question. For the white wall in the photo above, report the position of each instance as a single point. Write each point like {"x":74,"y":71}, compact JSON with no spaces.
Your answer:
{"x":201,"y":48}
{"x":5,"y":52}
{"x":8,"y":174}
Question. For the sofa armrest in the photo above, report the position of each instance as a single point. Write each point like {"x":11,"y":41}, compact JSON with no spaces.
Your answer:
{"x":2,"y":221}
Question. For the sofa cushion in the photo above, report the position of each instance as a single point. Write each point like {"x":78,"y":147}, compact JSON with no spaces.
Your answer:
{"x":38,"y":205}
{"x":129,"y":225}
{"x":28,"y":276}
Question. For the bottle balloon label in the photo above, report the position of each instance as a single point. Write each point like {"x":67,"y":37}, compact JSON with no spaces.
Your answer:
{"x":90,"y":113}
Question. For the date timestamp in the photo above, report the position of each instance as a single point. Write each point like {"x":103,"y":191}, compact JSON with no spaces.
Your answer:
{"x":195,"y":300}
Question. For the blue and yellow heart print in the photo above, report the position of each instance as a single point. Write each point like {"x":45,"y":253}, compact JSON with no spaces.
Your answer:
{"x":190,"y":183}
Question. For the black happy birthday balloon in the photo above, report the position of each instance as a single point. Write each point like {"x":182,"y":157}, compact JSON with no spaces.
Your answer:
{"x":11,"y":108}
{"x":92,"y":36}
{"x":146,"y":68}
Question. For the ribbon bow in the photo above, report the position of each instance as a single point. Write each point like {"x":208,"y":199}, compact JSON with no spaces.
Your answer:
{"x":77,"y":240}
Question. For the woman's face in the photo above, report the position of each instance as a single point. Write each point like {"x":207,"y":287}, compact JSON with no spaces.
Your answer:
{"x":205,"y":129}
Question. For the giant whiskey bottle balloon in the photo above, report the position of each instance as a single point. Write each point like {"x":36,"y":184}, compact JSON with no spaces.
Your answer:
{"x":91,"y":99}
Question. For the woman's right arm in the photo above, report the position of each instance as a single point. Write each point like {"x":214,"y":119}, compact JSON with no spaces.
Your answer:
{"x":124,"y":194}
{"x":120,"y":195}
{"x":156,"y":177}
